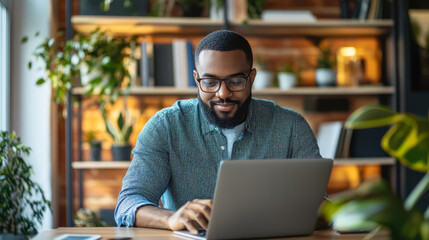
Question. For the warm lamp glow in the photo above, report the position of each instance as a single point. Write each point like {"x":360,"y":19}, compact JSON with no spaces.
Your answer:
{"x":349,"y":69}
{"x":348,"y":51}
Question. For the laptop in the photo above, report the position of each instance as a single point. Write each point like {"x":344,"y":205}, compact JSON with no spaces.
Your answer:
{"x":266,"y":198}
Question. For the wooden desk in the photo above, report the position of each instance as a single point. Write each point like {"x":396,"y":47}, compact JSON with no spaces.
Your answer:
{"x":147,"y":233}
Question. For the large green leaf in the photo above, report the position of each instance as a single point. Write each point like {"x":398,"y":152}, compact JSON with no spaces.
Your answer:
{"x":408,"y":141}
{"x":408,"y":138}
{"x":370,"y":116}
{"x":372,"y":204}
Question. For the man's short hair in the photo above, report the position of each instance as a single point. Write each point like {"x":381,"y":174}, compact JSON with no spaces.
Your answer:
{"x":224,"y":40}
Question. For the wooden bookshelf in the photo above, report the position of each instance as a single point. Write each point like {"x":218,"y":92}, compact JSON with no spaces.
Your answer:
{"x":297,"y":91}
{"x":98,"y":165}
{"x":177,"y":26}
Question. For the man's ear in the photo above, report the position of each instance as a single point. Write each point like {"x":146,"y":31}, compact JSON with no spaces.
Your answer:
{"x":195,"y":77}
{"x":252,"y":76}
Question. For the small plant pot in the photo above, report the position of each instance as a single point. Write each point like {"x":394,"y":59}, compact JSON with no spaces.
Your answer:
{"x":325,"y":77}
{"x":263,"y":79}
{"x":11,"y":236}
{"x":286,"y":80}
{"x":95,"y":151}
{"x":121,"y":152}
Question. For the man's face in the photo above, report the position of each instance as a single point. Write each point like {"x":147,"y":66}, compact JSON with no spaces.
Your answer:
{"x":224,"y":104}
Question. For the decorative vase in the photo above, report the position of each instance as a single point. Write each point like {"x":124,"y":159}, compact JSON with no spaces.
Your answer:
{"x":11,"y":236}
{"x":286,"y":80}
{"x":263,"y":79}
{"x":325,"y":77}
{"x":95,"y":151}
{"x":121,"y":152}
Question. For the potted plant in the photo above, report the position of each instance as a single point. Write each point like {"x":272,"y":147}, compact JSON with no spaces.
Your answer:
{"x":373,"y":205}
{"x":192,"y":8}
{"x":325,"y":75}
{"x":95,"y":146}
{"x":22,"y":201}
{"x":287,"y":76}
{"x":98,"y":55}
{"x":255,"y":8}
{"x":264,"y":77}
{"x":120,"y":133}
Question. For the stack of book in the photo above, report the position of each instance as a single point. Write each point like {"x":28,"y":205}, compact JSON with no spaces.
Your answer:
{"x":167,"y":64}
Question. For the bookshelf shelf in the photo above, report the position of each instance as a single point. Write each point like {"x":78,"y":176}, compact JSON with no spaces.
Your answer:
{"x":322,"y":28}
{"x":298,"y":91}
{"x":177,"y":26}
{"x":99,"y":165}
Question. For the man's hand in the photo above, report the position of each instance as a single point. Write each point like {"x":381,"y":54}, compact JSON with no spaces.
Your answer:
{"x":191,"y":216}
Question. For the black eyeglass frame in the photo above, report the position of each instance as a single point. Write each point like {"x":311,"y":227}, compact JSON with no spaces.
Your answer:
{"x":220,"y":80}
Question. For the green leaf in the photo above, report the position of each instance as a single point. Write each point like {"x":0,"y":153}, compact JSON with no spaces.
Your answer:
{"x":30,"y":65}
{"x":127,"y":133}
{"x":120,"y":121}
{"x":40,"y":81}
{"x":408,"y":141}
{"x":370,"y":116}
{"x":24,"y":39}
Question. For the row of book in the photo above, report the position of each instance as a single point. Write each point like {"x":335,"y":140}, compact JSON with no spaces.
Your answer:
{"x":335,"y":141}
{"x":165,"y":65}
{"x":365,"y":9}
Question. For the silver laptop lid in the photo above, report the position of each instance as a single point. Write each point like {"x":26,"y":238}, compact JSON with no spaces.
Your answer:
{"x":268,"y":198}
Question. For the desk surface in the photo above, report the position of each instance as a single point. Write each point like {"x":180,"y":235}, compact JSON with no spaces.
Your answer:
{"x":147,"y":233}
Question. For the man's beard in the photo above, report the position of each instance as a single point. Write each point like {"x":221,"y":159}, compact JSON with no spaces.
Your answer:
{"x":231,"y":122}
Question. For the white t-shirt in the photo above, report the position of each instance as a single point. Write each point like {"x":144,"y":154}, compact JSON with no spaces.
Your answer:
{"x":232,"y":134}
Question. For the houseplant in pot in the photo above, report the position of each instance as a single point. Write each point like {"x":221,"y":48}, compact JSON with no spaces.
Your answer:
{"x":325,"y":74}
{"x":97,"y":57}
{"x":22,"y":201}
{"x":287,"y":76}
{"x":120,"y":133}
{"x":373,"y":205}
{"x":264,"y":77}
{"x":95,"y":146}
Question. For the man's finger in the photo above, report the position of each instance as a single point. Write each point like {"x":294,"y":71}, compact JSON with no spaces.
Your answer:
{"x":190,"y":226}
{"x":199,"y":218}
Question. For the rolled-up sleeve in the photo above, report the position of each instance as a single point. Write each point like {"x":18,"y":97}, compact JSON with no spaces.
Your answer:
{"x":148,"y":176}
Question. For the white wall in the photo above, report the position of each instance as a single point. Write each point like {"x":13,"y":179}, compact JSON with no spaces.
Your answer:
{"x":30,"y":104}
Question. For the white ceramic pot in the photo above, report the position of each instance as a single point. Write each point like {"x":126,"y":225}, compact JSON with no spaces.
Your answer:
{"x":286,"y":80}
{"x":263,"y":79}
{"x":325,"y":77}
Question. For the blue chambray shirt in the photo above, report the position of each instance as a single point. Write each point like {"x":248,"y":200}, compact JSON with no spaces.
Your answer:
{"x":178,"y":152}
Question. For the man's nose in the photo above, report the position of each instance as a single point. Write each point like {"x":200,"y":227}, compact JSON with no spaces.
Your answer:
{"x":223,"y":92}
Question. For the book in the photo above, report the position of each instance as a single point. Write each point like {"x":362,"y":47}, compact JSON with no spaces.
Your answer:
{"x":356,"y":9}
{"x":373,"y":9}
{"x":191,"y":64}
{"x":147,"y":65}
{"x":288,"y":16}
{"x":364,"y":9}
{"x":163,"y":65}
{"x":328,"y":138}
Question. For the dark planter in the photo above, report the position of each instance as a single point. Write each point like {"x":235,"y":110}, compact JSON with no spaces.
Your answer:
{"x":95,"y":151}
{"x":192,"y":11}
{"x":92,"y":7}
{"x":11,"y":236}
{"x":121,"y":152}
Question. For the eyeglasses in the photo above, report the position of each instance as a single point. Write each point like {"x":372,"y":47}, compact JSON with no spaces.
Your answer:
{"x":212,"y":85}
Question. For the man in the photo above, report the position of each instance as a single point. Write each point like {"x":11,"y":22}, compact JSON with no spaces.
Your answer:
{"x":178,"y":152}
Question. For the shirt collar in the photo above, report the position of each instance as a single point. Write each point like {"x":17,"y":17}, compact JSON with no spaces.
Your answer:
{"x":207,"y":126}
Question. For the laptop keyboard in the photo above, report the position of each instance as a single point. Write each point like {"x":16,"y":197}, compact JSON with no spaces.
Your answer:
{"x":201,"y":232}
